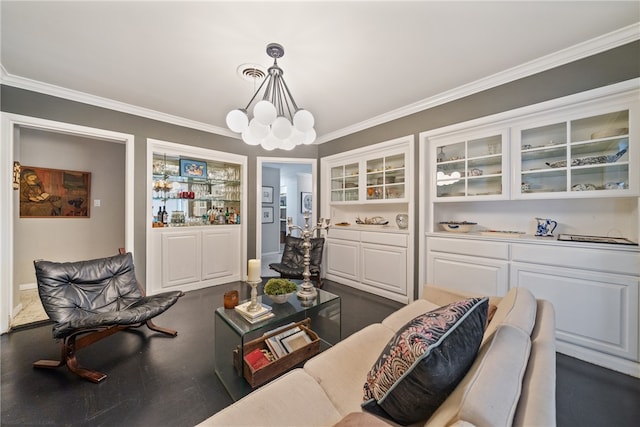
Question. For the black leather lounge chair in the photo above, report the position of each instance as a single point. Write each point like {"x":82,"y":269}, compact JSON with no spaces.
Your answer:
{"x":291,"y":265}
{"x":91,"y":300}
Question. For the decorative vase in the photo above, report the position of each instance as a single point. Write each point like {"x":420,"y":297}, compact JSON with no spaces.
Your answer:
{"x":280,"y":299}
{"x":402,"y":220}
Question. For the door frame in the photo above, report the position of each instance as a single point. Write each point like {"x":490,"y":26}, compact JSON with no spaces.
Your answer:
{"x":9,"y":124}
{"x":314,"y":187}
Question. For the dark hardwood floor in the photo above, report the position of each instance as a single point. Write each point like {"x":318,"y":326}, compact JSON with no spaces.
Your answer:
{"x":159,"y":381}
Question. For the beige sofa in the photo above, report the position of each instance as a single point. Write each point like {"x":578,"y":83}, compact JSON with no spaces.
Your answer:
{"x":511,"y":382}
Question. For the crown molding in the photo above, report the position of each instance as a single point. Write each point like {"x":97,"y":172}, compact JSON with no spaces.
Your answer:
{"x":582,"y":50}
{"x":85,"y":98}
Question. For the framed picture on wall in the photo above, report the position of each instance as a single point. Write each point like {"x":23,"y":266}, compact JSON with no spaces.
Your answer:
{"x":306,"y":203}
{"x":267,"y":194}
{"x":54,"y":193}
{"x":267,"y":215}
{"x":193,"y":168}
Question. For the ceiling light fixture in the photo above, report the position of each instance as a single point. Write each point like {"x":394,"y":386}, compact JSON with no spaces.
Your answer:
{"x":277,"y":121}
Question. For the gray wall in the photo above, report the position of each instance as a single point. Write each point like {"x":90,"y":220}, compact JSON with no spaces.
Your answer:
{"x":28,"y":103}
{"x":70,"y":238}
{"x":606,"y":68}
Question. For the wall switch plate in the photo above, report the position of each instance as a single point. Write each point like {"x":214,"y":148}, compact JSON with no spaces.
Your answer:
{"x":96,"y":203}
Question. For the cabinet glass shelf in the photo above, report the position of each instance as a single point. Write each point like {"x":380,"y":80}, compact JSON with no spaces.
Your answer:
{"x":587,"y":154}
{"x":194,"y":199}
{"x":470,"y":168}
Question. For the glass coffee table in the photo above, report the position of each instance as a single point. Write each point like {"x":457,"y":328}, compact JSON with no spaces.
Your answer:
{"x":232,"y":331}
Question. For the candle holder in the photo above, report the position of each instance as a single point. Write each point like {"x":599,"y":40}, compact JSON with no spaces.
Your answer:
{"x":307,"y":293}
{"x":254,"y":306}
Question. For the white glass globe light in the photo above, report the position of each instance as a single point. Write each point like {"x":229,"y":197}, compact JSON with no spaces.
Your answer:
{"x":309,"y":137}
{"x":297,"y":137}
{"x":237,"y":120}
{"x":287,"y":144}
{"x":281,"y":127}
{"x":303,"y":120}
{"x":270,"y":142}
{"x":258,"y":130}
{"x":248,"y":138}
{"x":265,"y":112}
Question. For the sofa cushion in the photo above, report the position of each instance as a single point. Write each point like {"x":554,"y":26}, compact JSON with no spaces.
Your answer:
{"x":295,"y":399}
{"x":341,"y":369}
{"x":399,"y":318}
{"x":360,"y":419}
{"x":425,"y":360}
{"x":517,"y":308}
{"x":490,"y":392}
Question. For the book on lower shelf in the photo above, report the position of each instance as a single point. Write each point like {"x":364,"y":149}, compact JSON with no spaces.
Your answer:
{"x":257,"y":359}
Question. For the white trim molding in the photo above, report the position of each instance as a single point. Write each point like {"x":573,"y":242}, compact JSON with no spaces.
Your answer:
{"x":9,"y":123}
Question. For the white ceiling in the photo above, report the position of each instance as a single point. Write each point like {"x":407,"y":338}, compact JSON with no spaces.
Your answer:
{"x":353,"y":64}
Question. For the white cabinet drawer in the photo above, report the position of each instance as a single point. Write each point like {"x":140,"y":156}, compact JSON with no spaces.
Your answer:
{"x":384,"y":238}
{"x":614,"y":261}
{"x":496,"y":250}
{"x":341,"y":233}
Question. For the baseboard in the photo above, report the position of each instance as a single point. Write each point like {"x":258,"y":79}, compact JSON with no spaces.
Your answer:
{"x":28,"y":286}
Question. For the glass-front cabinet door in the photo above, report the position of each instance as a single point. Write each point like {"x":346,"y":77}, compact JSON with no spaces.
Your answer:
{"x":582,"y":157}
{"x":470,"y":167}
{"x":345,"y":183}
{"x":385,"y":177}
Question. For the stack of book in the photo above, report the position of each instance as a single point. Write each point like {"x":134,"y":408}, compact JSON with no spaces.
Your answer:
{"x":264,"y":312}
{"x":288,"y":341}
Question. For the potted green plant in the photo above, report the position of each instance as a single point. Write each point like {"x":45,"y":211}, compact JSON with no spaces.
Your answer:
{"x":279,"y":290}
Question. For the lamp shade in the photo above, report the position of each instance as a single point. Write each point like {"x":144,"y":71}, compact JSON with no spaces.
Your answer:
{"x":270,"y":142}
{"x":265,"y":112}
{"x":249,"y":138}
{"x":257,"y":129}
{"x":281,"y":127}
{"x":237,"y":120}
{"x":309,"y":137}
{"x":303,"y":120}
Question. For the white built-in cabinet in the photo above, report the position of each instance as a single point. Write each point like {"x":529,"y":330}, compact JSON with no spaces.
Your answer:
{"x":575,"y":160}
{"x":189,"y":255}
{"x":374,"y":181}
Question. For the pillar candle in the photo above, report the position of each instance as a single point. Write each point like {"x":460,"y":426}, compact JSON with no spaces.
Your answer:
{"x":253,"y":273}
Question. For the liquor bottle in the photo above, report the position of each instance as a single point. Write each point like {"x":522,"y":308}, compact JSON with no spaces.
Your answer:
{"x":160,"y":214}
{"x":165,"y":216}
{"x":226,"y":217}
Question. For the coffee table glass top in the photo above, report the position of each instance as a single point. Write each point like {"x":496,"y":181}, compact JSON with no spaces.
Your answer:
{"x":283,"y":311}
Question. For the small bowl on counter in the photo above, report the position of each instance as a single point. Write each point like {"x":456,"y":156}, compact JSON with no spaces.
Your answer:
{"x":457,"y":226}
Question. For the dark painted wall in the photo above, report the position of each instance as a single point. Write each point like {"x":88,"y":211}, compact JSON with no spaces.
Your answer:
{"x":28,"y":103}
{"x":613,"y":66}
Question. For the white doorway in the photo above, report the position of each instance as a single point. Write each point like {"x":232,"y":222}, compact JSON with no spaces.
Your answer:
{"x":9,"y":151}
{"x":287,"y":180}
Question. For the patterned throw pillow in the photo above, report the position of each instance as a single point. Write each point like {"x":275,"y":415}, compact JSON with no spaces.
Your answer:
{"x":425,"y":360}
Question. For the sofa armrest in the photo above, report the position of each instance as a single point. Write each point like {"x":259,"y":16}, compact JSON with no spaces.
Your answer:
{"x":443,"y":296}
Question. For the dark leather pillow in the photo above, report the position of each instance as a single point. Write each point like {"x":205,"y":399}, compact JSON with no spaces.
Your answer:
{"x":424,"y":361}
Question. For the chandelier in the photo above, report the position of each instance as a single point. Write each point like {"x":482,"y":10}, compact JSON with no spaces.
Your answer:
{"x":277,"y":121}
